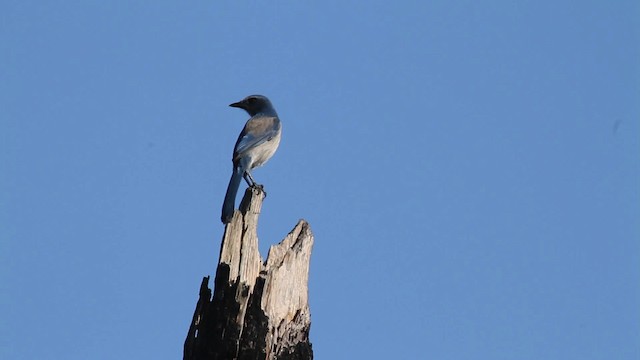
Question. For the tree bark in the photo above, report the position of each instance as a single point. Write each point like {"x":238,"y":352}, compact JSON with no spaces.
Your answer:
{"x":258,"y":310}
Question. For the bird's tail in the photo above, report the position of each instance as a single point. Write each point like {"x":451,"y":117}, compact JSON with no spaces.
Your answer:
{"x":230,"y":198}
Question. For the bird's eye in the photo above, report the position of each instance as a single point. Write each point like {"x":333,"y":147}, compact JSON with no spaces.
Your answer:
{"x":251,"y":100}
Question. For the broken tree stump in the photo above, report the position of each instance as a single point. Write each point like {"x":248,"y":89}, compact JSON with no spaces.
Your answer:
{"x":258,"y":310}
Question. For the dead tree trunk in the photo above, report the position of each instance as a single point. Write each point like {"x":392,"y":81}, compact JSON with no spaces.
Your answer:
{"x":258,"y":310}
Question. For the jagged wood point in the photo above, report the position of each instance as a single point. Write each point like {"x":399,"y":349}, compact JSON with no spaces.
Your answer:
{"x":258,"y":310}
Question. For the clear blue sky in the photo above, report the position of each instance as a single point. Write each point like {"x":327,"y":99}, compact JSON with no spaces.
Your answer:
{"x":470,"y":169}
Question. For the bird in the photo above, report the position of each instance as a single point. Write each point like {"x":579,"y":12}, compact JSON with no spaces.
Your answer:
{"x":256,"y":144}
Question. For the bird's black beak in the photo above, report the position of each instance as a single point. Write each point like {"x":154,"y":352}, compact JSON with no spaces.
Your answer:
{"x":237,"y":105}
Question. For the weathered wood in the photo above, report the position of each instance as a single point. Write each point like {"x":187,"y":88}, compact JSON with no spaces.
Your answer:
{"x":258,"y":310}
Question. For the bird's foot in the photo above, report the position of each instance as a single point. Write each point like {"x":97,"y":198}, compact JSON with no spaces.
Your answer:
{"x":260,"y":188}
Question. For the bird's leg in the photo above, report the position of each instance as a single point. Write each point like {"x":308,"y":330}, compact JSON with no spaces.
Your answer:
{"x":252,"y":183}
{"x":249,"y":179}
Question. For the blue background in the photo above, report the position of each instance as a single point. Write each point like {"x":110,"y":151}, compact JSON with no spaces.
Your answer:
{"x":470,"y":169}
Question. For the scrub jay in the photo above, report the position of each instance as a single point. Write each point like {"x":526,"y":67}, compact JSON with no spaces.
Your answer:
{"x":256,"y":144}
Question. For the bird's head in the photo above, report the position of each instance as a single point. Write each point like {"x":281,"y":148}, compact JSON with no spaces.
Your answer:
{"x":255,"y":104}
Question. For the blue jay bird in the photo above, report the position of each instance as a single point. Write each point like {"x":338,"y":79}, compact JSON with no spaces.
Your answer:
{"x":256,"y":144}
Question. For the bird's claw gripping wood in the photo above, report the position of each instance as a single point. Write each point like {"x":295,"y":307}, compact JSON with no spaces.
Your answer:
{"x":259,"y":187}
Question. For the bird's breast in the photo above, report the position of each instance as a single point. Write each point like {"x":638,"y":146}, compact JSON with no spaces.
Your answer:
{"x":266,"y":150}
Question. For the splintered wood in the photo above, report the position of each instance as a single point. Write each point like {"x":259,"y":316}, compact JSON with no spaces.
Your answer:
{"x":258,"y":310}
